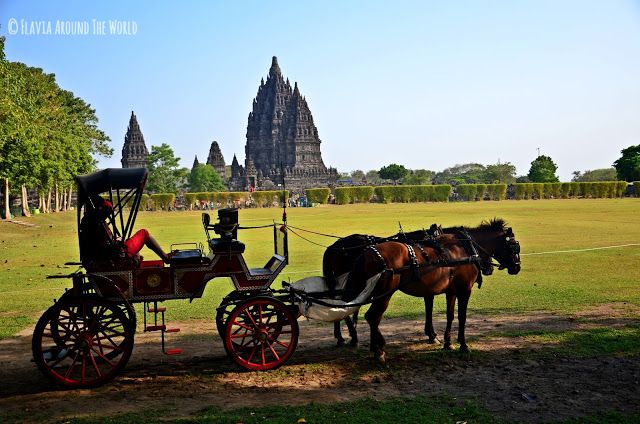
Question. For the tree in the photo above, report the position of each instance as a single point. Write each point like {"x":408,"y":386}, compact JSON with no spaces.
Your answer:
{"x":205,"y":178}
{"x":543,"y":170}
{"x":628,"y":166}
{"x":604,"y":174}
{"x":47,"y":136}
{"x":500,"y":173}
{"x":467,"y":173}
{"x":165,"y":174}
{"x":357,"y":176}
{"x":372,"y":177}
{"x":419,"y":177}
{"x":393,"y":172}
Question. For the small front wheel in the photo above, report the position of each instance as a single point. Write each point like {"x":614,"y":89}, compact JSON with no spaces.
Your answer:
{"x":82,"y":341}
{"x":261,"y":334}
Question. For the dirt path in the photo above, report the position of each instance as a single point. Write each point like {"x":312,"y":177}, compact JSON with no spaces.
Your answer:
{"x":503,"y":374}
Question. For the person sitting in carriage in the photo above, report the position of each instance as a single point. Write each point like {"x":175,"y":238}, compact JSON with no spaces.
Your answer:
{"x":99,"y":243}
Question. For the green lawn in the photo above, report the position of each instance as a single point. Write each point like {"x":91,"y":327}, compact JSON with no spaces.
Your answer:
{"x":561,"y":282}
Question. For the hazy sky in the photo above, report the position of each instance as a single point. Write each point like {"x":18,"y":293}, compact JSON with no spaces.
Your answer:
{"x":423,"y":83}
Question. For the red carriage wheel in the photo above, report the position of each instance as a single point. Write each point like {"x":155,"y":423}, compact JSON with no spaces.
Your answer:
{"x":82,"y":342}
{"x":261,"y":334}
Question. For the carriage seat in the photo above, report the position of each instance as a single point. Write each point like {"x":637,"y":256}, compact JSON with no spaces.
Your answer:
{"x":187,"y":256}
{"x":222,"y":245}
{"x":271,"y":266}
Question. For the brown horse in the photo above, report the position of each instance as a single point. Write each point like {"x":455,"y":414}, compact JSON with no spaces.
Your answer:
{"x":423,"y":272}
{"x":339,"y":258}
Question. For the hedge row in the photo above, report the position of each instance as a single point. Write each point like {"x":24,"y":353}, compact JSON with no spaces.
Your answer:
{"x":360,"y":194}
{"x":472,"y":192}
{"x":160,"y":201}
{"x":598,"y":189}
{"x":318,"y":195}
{"x":636,"y":188}
{"x":260,"y":198}
{"x":413,"y":193}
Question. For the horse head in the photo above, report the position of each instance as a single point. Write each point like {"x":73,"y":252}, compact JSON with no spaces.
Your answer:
{"x":508,"y":252}
{"x":497,"y":241}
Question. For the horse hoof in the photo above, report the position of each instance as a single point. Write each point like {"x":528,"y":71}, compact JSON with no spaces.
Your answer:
{"x":433,"y":341}
{"x":340,"y":343}
{"x":447,"y":346}
{"x":353,"y":343}
{"x":382,"y":358}
{"x":464,"y":349}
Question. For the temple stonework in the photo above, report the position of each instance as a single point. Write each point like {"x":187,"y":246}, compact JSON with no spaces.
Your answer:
{"x":216,"y":159}
{"x":134,"y":151}
{"x":283,"y":145}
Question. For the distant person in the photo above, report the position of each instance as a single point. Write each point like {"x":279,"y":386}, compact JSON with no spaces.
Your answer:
{"x":99,"y":242}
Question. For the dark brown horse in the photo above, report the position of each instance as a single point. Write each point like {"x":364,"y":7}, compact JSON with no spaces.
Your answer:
{"x":340,"y":257}
{"x":422,"y":271}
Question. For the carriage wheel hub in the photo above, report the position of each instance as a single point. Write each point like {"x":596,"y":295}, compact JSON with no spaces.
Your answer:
{"x":262,"y":335}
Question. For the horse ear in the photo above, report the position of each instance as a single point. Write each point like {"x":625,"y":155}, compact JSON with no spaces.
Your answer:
{"x":510,"y":232}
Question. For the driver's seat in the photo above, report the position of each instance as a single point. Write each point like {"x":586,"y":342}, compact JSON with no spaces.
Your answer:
{"x":223,"y":244}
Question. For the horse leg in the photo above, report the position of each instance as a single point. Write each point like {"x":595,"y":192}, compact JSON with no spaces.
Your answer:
{"x":337,"y":333}
{"x":451,"y":305}
{"x":352,"y":321}
{"x":428,"y":323}
{"x":373,"y":317}
{"x":463,"y":301}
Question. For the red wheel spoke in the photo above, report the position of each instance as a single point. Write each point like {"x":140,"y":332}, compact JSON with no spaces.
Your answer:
{"x":273,"y":351}
{"x":75,"y":359}
{"x":253,"y":352}
{"x":250,"y":318}
{"x":93,"y":361}
{"x":263,"y":359}
{"x":243,"y":325}
{"x":285,"y":345}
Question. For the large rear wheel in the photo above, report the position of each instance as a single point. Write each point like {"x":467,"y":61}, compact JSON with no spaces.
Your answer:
{"x":82,"y":341}
{"x":261,"y":334}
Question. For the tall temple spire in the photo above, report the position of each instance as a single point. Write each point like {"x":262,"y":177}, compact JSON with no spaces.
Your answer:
{"x":216,"y":159}
{"x":195,"y":163}
{"x":275,"y":69}
{"x":134,"y":151}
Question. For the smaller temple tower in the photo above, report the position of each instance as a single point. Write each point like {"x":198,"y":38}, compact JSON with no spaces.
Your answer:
{"x":216,"y":159}
{"x":134,"y":151}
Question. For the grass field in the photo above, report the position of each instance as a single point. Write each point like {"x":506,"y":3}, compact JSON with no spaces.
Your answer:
{"x":562,"y":282}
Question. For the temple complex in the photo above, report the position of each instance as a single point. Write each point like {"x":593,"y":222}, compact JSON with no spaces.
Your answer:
{"x":134,"y":151}
{"x":283,"y":145}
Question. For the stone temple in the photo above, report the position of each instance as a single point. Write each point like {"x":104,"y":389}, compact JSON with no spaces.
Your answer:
{"x":134,"y":151}
{"x":283,"y":145}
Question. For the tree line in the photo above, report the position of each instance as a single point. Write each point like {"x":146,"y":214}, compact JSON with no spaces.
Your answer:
{"x":48,"y":135}
{"x":543,"y":170}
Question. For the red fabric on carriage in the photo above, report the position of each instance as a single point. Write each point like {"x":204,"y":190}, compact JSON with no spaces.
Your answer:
{"x":136,"y":242}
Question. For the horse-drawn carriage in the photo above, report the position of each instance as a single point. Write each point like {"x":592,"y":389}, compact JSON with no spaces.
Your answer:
{"x":87,"y":336}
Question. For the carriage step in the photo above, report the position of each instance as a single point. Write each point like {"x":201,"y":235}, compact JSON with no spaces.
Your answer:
{"x":155,"y":328}
{"x":174,"y":351}
{"x":157,"y":310}
{"x":172,"y":330}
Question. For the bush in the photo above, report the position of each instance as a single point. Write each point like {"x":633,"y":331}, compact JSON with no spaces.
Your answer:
{"x":144,"y":201}
{"x":556,"y":190}
{"x":442,"y":192}
{"x":565,"y":189}
{"x":575,"y":189}
{"x":319,"y":195}
{"x":190,"y":199}
{"x":413,"y":193}
{"x":520,"y":190}
{"x":423,"y":193}
{"x":537,"y":190}
{"x":621,"y":188}
{"x":547,"y":190}
{"x":636,"y":188}
{"x":480,"y":191}
{"x":361,"y":194}
{"x":343,"y":195}
{"x":467,"y":191}
{"x":162,"y":200}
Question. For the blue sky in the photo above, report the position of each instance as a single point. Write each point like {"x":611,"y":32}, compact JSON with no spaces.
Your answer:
{"x":423,"y":83}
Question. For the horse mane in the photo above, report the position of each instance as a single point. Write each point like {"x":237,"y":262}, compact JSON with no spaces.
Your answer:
{"x":495,"y":224}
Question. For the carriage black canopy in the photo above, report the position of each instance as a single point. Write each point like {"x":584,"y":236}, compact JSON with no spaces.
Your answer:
{"x":122,"y":187}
